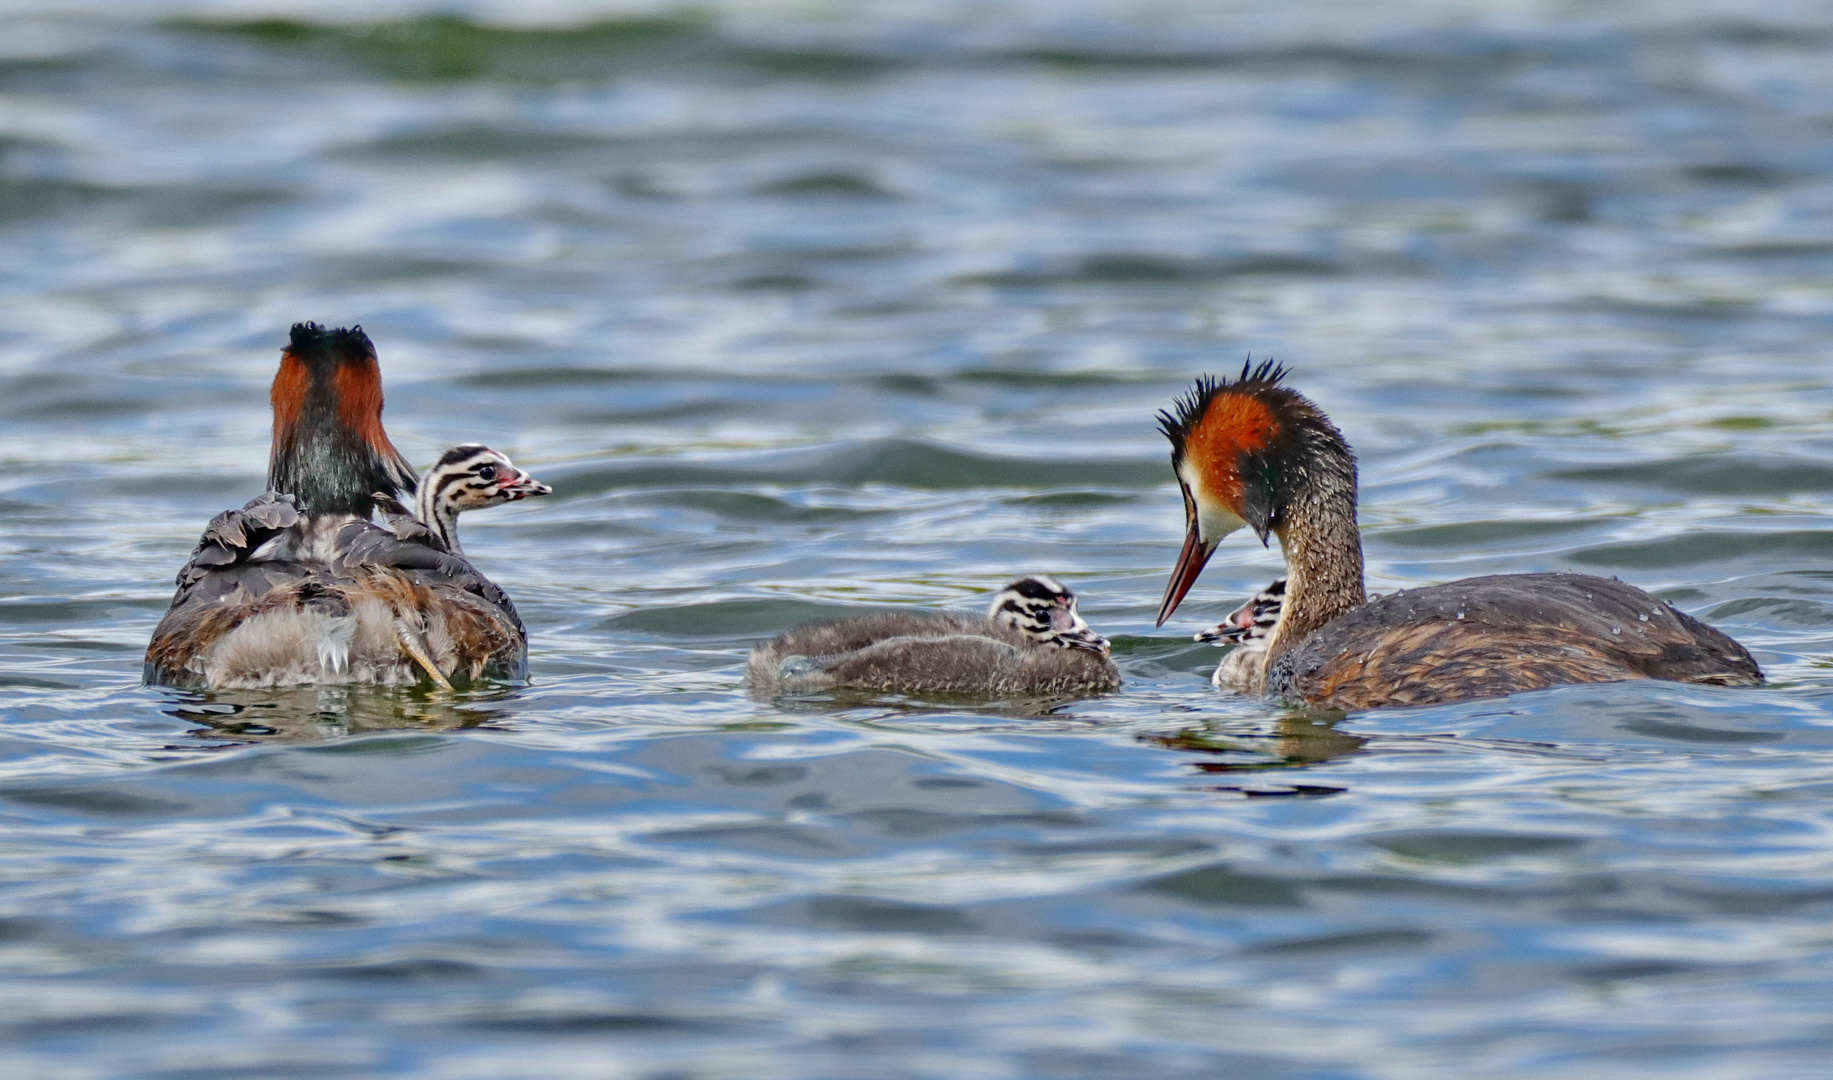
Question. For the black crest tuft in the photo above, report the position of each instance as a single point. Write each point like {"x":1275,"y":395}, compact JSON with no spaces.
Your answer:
{"x":306,"y":337}
{"x":314,"y":343}
{"x":1190,"y":408}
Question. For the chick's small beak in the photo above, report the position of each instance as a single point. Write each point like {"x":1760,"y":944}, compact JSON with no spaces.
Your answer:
{"x":1072,"y":632}
{"x":1190,"y":563}
{"x":523,"y":486}
{"x":1223,"y":634}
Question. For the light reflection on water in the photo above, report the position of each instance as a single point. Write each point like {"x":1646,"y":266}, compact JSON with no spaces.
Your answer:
{"x":801,"y":315}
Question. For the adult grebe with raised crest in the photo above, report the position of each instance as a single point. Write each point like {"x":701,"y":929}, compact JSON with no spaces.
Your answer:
{"x":1255,"y":453}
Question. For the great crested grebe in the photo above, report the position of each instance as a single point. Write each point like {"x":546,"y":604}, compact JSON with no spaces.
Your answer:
{"x":1031,"y":642}
{"x":1253,"y":452}
{"x":466,"y":477}
{"x":1248,"y":628}
{"x":299,"y":586}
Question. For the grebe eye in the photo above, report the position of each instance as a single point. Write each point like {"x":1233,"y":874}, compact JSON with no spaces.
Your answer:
{"x":486,"y":472}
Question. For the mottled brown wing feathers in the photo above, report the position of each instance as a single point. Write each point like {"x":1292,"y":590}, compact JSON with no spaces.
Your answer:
{"x":1510,"y":633}
{"x":468,"y":623}
{"x":1430,"y":665}
{"x":367,"y":546}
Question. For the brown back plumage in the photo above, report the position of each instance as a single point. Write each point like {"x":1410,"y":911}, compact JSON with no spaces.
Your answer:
{"x":930,"y":653}
{"x":360,"y":616}
{"x":1504,"y":634}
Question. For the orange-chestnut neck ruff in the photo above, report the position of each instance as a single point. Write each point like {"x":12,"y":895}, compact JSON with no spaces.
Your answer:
{"x":1227,"y":439}
{"x":1246,"y":452}
{"x":330,"y":449}
{"x":1233,"y":427}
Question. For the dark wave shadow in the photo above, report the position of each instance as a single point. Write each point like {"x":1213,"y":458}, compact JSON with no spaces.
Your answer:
{"x":452,"y":48}
{"x":1298,"y":740}
{"x":910,"y":463}
{"x":314,"y":713}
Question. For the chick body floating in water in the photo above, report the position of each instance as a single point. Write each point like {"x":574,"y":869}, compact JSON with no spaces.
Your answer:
{"x":1031,"y":642}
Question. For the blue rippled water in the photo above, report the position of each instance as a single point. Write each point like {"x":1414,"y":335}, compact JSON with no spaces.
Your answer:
{"x":808,"y":309}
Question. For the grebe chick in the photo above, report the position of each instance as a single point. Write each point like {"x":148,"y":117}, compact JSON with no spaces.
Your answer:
{"x":1248,"y":628}
{"x":466,"y":477}
{"x":1031,"y":642}
{"x":1253,"y":452}
{"x":299,"y":586}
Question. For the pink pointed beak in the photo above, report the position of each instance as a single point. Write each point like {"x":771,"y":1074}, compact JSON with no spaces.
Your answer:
{"x":523,"y":486}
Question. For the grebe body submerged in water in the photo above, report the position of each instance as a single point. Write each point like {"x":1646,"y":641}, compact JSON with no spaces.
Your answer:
{"x":1031,"y":642}
{"x":1255,"y":453}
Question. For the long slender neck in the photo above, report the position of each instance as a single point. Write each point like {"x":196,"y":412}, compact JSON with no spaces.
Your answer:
{"x":329,"y":448}
{"x":330,"y":472}
{"x":1323,"y":550}
{"x":439,"y":516}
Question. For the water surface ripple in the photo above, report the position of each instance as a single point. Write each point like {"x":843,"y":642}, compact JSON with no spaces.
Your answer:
{"x":810,"y":311}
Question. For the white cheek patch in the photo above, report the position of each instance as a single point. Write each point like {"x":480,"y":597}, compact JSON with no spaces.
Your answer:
{"x":1214,"y":519}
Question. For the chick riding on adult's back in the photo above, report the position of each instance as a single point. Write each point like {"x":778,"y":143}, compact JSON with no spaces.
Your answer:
{"x":300,"y":586}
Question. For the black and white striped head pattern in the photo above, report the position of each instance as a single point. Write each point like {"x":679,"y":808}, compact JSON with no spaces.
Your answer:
{"x":468,"y":477}
{"x":1252,"y":623}
{"x":1044,"y":610}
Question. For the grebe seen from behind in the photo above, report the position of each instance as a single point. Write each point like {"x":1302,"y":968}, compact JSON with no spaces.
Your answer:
{"x":300,"y":586}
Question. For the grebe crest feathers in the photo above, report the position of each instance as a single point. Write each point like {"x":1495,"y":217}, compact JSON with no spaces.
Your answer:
{"x":1243,"y":451}
{"x":1243,"y":443}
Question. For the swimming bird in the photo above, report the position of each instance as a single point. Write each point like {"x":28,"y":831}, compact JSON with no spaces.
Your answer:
{"x":1031,"y":642}
{"x":470,"y":476}
{"x":300,"y":586}
{"x":1248,"y":628}
{"x":1255,"y":453}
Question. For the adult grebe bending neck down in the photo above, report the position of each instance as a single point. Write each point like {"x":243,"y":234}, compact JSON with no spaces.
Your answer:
{"x":300,"y":586}
{"x":1253,"y":452}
